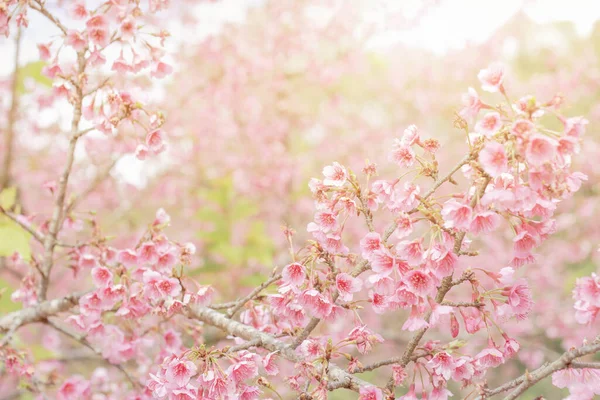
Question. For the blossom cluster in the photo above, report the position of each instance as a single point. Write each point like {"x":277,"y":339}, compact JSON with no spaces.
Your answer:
{"x":150,"y":320}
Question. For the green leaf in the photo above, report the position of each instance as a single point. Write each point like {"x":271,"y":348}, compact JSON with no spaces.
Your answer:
{"x":8,"y":197}
{"x":14,"y":238}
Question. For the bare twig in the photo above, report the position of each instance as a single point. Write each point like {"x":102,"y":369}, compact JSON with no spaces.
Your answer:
{"x":38,"y":312}
{"x":240,"y":303}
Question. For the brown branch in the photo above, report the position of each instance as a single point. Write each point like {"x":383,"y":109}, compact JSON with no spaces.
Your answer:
{"x":38,"y":312}
{"x":38,"y":6}
{"x":36,"y":235}
{"x":444,"y":288}
{"x":529,"y":379}
{"x":389,"y":361}
{"x":55,"y":223}
{"x":100,"y":177}
{"x":240,"y":303}
{"x":337,"y":377}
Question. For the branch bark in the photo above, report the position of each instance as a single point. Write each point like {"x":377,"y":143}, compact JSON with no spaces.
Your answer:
{"x":39,"y":312}
{"x":337,"y":377}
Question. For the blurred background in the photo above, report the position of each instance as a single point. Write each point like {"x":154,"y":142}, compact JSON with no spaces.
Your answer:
{"x":266,"y":93}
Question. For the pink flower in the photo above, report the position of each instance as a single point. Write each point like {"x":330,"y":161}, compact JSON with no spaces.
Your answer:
{"x":335,"y":175}
{"x":523,"y":243}
{"x":76,"y":40}
{"x":347,"y":285}
{"x":120,"y":65}
{"x":44,"y":50}
{"x":161,"y":70}
{"x":404,"y":226}
{"x":369,"y":244}
{"x":415,"y":321}
{"x":242,"y":371}
{"x":167,"y":260}
{"x":269,"y":364}
{"x":399,"y":374}
{"x":472,"y":104}
{"x":440,"y":393}
{"x":419,"y":282}
{"x":96,"y":58}
{"x":370,"y":393}
{"x":180,"y":371}
{"x":78,"y":10}
{"x":317,"y":304}
{"x":437,"y":311}
{"x":128,"y":28}
{"x":454,"y":326}
{"x":522,"y":128}
{"x":147,"y":253}
{"x":410,"y":395}
{"x":52,"y":71}
{"x":157,"y":385}
{"x":155,"y":140}
{"x":410,"y":136}
{"x":141,"y":152}
{"x":204,"y":295}
{"x":402,"y":155}
{"x":412,"y":251}
{"x":101,"y":276}
{"x":485,"y":221}
{"x":442,"y":364}
{"x":74,"y":388}
{"x":293,"y":274}
{"x":490,"y":357}
{"x":128,"y":258}
{"x":511,"y":347}
{"x":575,"y":126}
{"x":463,"y":369}
{"x":98,"y":36}
{"x":379,"y":302}
{"x":383,"y":262}
{"x":519,"y":298}
{"x":457,"y":215}
{"x":489,"y":124}
{"x":364,"y":338}
{"x":492,"y":77}
{"x":493,"y":159}
{"x":588,"y":289}
{"x":540,"y":150}
{"x":326,"y":220}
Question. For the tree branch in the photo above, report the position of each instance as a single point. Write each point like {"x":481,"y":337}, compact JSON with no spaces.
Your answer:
{"x":337,"y":377}
{"x":55,"y":223}
{"x":240,"y":303}
{"x":38,"y":312}
{"x":529,"y":379}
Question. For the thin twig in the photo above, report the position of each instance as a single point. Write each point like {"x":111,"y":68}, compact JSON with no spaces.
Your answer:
{"x":240,"y":303}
